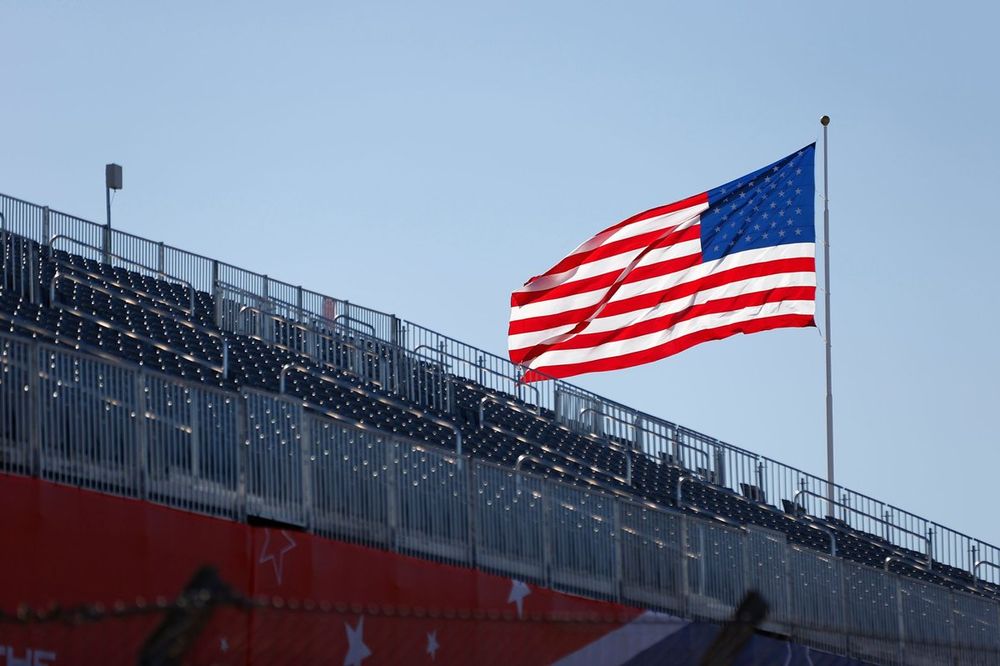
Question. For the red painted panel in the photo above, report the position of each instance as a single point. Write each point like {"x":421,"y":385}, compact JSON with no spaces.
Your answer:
{"x":69,"y":546}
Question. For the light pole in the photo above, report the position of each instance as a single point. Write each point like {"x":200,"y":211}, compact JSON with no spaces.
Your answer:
{"x":112,"y":181}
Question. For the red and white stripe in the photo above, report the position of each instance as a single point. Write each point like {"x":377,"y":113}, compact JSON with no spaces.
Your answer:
{"x":640,"y":291}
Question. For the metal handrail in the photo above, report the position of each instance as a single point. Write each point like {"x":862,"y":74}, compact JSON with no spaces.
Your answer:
{"x":334,"y":323}
{"x":121,"y":285}
{"x":708,"y":458}
{"x":682,"y":505}
{"x":163,"y":276}
{"x":107,"y":323}
{"x":916,"y":564}
{"x":898,"y":512}
{"x":586,"y":464}
{"x":74,"y":345}
{"x":627,"y":453}
{"x":594,"y":410}
{"x":305,"y":329}
{"x":372,"y":396}
{"x":357,"y":321}
{"x":293,"y":350}
{"x":228,"y":286}
{"x":553,"y":465}
{"x":441,"y":352}
{"x":926,"y":539}
{"x":975,"y":569}
{"x":668,"y":424}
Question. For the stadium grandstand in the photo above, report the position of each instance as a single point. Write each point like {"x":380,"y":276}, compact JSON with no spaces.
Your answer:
{"x":188,"y":412}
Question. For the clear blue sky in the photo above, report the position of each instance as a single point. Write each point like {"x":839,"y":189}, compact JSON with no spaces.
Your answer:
{"x":427,"y":158}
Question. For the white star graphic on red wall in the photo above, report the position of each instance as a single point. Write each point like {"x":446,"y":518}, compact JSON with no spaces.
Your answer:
{"x":357,"y":651}
{"x":276,"y":556}
{"x":518,"y":591}
{"x":432,"y":644}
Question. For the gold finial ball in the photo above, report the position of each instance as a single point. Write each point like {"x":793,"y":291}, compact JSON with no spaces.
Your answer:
{"x":824,"y":121}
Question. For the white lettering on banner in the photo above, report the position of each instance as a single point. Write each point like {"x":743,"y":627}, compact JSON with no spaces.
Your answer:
{"x":32,"y":656}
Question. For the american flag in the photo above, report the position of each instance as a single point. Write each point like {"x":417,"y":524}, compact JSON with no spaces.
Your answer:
{"x":739,"y":258}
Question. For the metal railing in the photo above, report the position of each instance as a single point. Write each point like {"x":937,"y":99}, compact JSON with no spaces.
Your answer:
{"x":516,"y":406}
{"x":129,"y":262}
{"x":377,"y":397}
{"x":518,"y":386}
{"x":115,"y":427}
{"x":735,"y":465}
{"x":222,"y":368}
{"x":927,"y":540}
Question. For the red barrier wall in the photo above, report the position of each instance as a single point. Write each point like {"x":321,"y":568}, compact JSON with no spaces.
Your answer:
{"x":68,"y":546}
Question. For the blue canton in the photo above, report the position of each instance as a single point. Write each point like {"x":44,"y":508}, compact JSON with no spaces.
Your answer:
{"x":771,"y":206}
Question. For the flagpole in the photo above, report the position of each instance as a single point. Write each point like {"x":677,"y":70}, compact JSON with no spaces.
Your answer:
{"x":825,"y":120}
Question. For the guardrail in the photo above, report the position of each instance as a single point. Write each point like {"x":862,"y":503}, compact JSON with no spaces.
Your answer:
{"x":111,"y":426}
{"x":159,"y":273}
{"x":222,"y":368}
{"x":389,"y":402}
{"x":736,"y":465}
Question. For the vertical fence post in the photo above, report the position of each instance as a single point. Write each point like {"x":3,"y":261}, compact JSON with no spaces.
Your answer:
{"x":243,"y":458}
{"x":306,"y":454}
{"x":142,"y":441}
{"x":472,"y":506}
{"x":106,"y":243}
{"x":720,"y":465}
{"x":685,"y":569}
{"x":547,"y":534}
{"x":745,"y":563}
{"x":46,"y":225}
{"x":841,"y":625}
{"x":789,"y":587}
{"x":901,"y":621}
{"x":161,"y":260}
{"x":34,"y":274}
{"x":196,"y":397}
{"x":266,"y":322}
{"x":217,"y":294}
{"x":392,"y":494}
{"x":956,"y":653}
{"x":616,"y":534}
{"x":35,"y":408}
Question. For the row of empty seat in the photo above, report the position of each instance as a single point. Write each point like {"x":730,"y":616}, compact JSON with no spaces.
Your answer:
{"x":148,"y":320}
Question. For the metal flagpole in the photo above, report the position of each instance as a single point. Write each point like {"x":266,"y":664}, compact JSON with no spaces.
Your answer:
{"x":825,"y":120}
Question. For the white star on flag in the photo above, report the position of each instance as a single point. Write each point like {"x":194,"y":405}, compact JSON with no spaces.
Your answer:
{"x":518,"y":591}
{"x":277,"y":560}
{"x":432,"y":644}
{"x":357,"y":651}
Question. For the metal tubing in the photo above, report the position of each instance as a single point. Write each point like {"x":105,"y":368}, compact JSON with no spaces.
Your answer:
{"x":185,"y":283}
{"x":356,"y":321}
{"x":481,"y":368}
{"x":826,"y":284}
{"x":593,"y":482}
{"x":206,"y":271}
{"x":627,"y":453}
{"x":115,"y":283}
{"x":708,"y":458}
{"x":373,"y":396}
{"x":565,"y":456}
{"x":223,"y":368}
{"x":597,"y":546}
{"x":980,"y":563}
{"x":925,"y":538}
